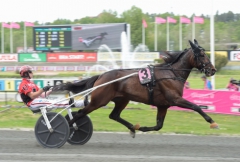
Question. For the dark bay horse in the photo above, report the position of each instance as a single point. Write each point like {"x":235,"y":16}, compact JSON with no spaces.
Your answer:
{"x":165,"y":88}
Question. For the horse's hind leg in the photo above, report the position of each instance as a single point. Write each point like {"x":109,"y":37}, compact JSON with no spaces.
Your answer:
{"x":120,"y":104}
{"x":161,"y":113}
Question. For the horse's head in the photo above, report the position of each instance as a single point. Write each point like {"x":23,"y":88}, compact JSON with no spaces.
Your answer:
{"x":202,"y":61}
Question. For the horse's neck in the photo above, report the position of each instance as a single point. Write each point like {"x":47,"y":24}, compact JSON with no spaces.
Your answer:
{"x":183,"y":67}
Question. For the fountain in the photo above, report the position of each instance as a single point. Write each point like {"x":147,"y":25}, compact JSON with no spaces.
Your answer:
{"x":127,"y":58}
{"x":104,"y":48}
{"x":125,"y":54}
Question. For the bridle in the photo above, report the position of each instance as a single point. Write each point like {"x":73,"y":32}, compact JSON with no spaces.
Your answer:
{"x":197,"y":54}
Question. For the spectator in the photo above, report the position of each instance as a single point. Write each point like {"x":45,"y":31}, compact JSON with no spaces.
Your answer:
{"x":186,"y":85}
{"x":207,"y":83}
{"x":231,"y":86}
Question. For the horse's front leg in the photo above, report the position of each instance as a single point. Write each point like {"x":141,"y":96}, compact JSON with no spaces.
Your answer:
{"x":161,"y":113}
{"x":189,"y":105}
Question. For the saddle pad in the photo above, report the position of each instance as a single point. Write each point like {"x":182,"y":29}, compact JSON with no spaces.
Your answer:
{"x":144,"y":76}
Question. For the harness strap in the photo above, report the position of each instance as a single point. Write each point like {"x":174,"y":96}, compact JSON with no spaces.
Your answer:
{"x":150,"y":93}
{"x":151,"y":67}
{"x":151,"y":84}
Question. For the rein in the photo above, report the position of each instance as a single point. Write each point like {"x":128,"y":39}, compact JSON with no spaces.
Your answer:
{"x":173,"y":70}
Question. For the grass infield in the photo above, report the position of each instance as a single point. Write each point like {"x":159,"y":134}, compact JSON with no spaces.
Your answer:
{"x":178,"y":122}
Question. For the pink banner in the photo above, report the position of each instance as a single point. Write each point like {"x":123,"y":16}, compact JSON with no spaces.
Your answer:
{"x":223,"y":102}
{"x":171,"y":20}
{"x":198,"y":20}
{"x":185,"y":20}
{"x":160,"y":20}
{"x":144,"y":23}
{"x":5,"y":25}
{"x":15,"y":25}
{"x":28,"y":24}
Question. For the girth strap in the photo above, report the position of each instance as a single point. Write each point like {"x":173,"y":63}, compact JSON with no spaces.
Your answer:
{"x":150,"y":85}
{"x":150,"y":94}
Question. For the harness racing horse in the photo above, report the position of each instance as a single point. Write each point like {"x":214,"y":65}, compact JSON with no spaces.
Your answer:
{"x":164,"y":89}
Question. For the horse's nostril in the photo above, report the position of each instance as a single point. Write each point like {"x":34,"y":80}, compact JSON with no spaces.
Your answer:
{"x":214,"y":71}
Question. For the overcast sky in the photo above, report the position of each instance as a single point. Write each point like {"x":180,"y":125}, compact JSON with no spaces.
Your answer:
{"x":49,"y":10}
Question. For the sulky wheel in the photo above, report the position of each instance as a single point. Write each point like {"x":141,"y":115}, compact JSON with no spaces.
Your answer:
{"x":60,"y":133}
{"x":83,"y":133}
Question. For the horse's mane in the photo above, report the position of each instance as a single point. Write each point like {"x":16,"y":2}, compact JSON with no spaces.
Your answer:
{"x":171,"y":58}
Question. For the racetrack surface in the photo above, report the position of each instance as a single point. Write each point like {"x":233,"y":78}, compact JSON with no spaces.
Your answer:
{"x":21,"y":146}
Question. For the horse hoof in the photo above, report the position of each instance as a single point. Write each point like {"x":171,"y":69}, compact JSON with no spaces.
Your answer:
{"x":132,"y":134}
{"x":214,"y":126}
{"x":136,"y":127}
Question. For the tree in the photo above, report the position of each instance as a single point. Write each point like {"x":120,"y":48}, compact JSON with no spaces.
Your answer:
{"x":108,"y":17}
{"x":61,"y":21}
{"x":134,"y":18}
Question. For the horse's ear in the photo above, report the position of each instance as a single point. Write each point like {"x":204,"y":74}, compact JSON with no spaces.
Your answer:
{"x":194,"y":47}
{"x":195,"y":42}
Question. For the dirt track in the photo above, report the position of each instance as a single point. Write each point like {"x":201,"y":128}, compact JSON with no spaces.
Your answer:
{"x":107,"y":147}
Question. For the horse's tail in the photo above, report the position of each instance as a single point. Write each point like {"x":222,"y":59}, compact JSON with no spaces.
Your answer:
{"x":77,"y":87}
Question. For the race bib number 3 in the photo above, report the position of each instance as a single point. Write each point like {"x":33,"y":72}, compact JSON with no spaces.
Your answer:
{"x":144,"y":76}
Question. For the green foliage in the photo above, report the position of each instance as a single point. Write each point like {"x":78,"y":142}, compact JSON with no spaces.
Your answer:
{"x":134,"y":17}
{"x":220,"y":61}
{"x":107,"y":16}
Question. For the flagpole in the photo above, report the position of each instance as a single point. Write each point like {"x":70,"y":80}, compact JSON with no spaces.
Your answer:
{"x":143,"y":36}
{"x":155,"y":36}
{"x":212,"y":43}
{"x":180,"y":34}
{"x":25,"y":39}
{"x":167,"y":35}
{"x":11,"y":40}
{"x":2,"y":39}
{"x":193,"y":29}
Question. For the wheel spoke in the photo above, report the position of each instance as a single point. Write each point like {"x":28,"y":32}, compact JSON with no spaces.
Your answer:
{"x":60,"y":132}
{"x":43,"y":131}
{"x":82,"y":124}
{"x":57,"y":125}
{"x":83,"y":130}
{"x":47,"y":138}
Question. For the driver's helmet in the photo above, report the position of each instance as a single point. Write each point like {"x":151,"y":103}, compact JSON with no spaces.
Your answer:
{"x":24,"y":70}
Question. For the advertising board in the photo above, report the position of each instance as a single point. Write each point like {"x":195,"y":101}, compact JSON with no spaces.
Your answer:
{"x":235,"y":56}
{"x":32,"y":57}
{"x":215,"y":101}
{"x":8,"y":57}
{"x":72,"y":57}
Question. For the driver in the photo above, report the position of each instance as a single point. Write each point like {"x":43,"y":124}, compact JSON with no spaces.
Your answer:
{"x":35,"y":97}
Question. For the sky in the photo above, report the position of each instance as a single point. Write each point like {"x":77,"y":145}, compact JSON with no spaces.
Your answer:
{"x":50,"y":10}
